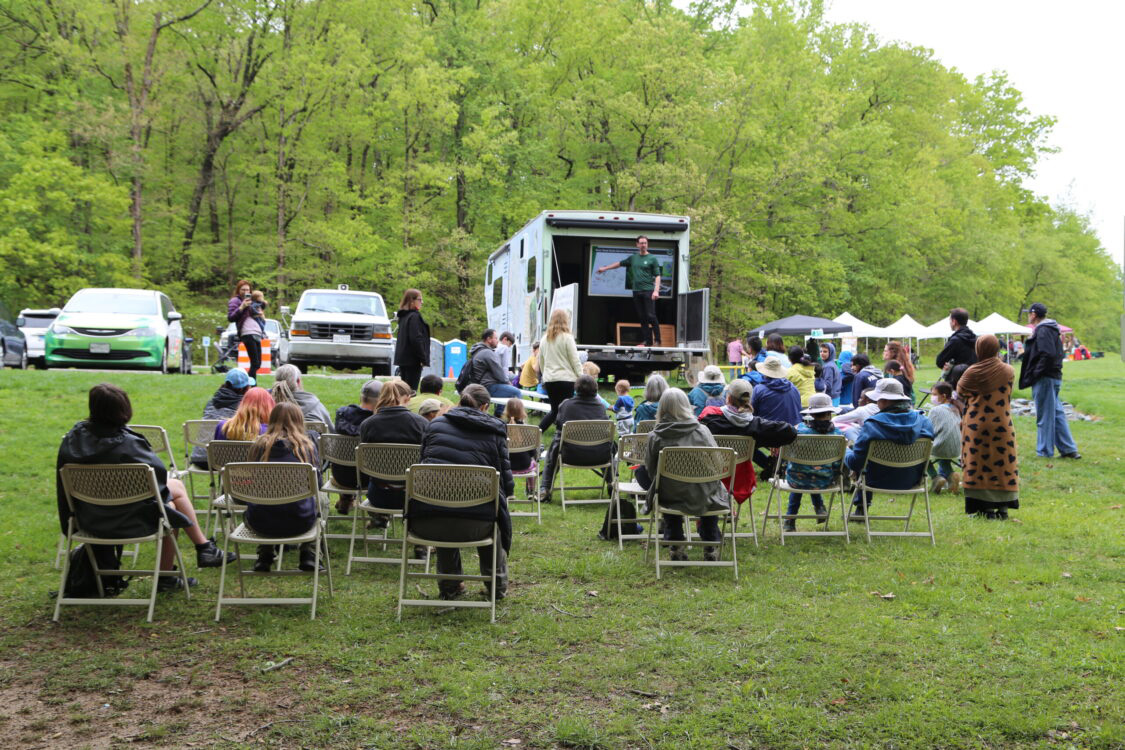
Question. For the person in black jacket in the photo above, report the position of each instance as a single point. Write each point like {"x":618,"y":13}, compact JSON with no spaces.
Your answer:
{"x":222,"y":405}
{"x":1041,"y":371}
{"x":104,"y":438}
{"x":961,"y":347}
{"x":392,"y":422}
{"x":467,"y":434}
{"x":585,"y":404}
{"x":412,"y":342}
{"x":348,"y":421}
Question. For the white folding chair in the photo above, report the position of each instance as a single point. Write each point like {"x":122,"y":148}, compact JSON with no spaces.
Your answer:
{"x":157,"y":438}
{"x":810,"y":450}
{"x":588,"y":433}
{"x":743,"y":447}
{"x":318,"y":427}
{"x":526,"y":438}
{"x":382,"y":462}
{"x":114,"y":485}
{"x":643,"y":426}
{"x":219,"y":454}
{"x":265,"y":483}
{"x":458,"y":488}
{"x":338,"y":450}
{"x":197,"y":434}
{"x":632,"y":451}
{"x":693,"y":465}
{"x":897,"y":456}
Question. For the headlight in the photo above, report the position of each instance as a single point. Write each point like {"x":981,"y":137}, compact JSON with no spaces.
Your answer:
{"x":59,"y":328}
{"x":146,"y":331}
{"x":298,"y":329}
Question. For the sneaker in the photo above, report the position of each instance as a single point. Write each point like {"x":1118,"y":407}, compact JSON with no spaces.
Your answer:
{"x":789,"y":524}
{"x":710,"y":554}
{"x":420,"y":552}
{"x":308,"y":558}
{"x":264,"y":563}
{"x":677,"y":554}
{"x":173,"y":583}
{"x":208,"y":555}
{"x":544,"y":496}
{"x":1076,"y":455}
{"x":856,"y":515}
{"x":821,"y":514}
{"x":456,"y":593}
{"x":939,"y":484}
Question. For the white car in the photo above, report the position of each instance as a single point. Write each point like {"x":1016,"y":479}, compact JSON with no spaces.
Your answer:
{"x":340,"y":328}
{"x":34,"y":324}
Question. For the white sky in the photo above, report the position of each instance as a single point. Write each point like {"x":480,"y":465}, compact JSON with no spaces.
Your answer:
{"x":1068,"y":60}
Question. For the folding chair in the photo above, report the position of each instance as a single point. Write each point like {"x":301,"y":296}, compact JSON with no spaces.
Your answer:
{"x":588,"y":433}
{"x":385,"y":462}
{"x":264,"y":483}
{"x":460,"y":488}
{"x":643,"y":426}
{"x":110,"y":486}
{"x":743,"y":447}
{"x":809,"y":450}
{"x":318,"y":427}
{"x":157,"y":439}
{"x":339,"y":450}
{"x":633,"y":451}
{"x":693,"y":465}
{"x":197,"y":434}
{"x":219,"y":454}
{"x":894,"y":455}
{"x":526,"y":438}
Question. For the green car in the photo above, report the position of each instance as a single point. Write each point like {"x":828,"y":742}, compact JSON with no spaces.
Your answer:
{"x":135,"y":328}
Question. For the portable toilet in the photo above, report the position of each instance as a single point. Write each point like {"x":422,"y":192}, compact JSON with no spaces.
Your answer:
{"x":456,"y":354}
{"x":437,"y":356}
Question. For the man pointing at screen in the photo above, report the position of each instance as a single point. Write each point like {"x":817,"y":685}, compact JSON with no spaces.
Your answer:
{"x":642,"y":275}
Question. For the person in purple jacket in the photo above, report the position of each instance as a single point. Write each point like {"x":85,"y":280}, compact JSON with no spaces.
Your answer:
{"x":244,"y":313}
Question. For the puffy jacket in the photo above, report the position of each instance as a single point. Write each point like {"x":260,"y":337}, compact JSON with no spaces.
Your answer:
{"x":831,"y":376}
{"x":960,"y":349}
{"x":903,"y":428}
{"x":704,"y":392}
{"x":864,"y":379}
{"x":485,"y":366}
{"x":778,"y":399}
{"x":88,"y":443}
{"x":847,"y":377}
{"x":804,"y":377}
{"x":289,"y":519}
{"x":222,"y":405}
{"x":1043,"y":355}
{"x":412,"y":341}
{"x":579,"y":408}
{"x":464,"y":435}
{"x":391,"y":424}
{"x":767,"y":433}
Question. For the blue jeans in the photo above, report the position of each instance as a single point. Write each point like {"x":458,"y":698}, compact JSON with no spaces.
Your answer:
{"x":502,"y":390}
{"x":795,"y":503}
{"x":1054,"y":431}
{"x":941,"y":467}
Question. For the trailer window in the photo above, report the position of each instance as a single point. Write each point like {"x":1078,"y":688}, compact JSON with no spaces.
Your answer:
{"x":531,"y":277}
{"x":498,"y":291}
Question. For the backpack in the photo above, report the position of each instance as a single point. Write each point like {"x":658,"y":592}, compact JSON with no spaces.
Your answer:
{"x":628,"y":521}
{"x":80,"y":581}
{"x":465,"y":377}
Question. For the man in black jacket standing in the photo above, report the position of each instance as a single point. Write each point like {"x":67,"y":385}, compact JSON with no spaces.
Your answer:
{"x":961,"y":347}
{"x":1042,"y":372}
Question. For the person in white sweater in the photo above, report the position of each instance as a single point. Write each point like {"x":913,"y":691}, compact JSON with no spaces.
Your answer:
{"x":850,"y":422}
{"x":559,"y":363}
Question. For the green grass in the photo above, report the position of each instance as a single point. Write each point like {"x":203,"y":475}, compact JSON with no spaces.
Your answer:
{"x":1001,"y":636}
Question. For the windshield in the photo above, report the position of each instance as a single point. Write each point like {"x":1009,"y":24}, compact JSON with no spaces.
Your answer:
{"x":34,"y":322}
{"x":112,"y":302}
{"x":330,"y":302}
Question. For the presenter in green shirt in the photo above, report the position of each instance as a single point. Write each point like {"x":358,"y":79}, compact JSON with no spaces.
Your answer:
{"x":642,"y":275}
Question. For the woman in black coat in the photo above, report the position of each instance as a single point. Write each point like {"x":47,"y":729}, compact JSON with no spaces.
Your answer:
{"x":392,"y":422}
{"x":467,"y":434}
{"x":412,"y":342}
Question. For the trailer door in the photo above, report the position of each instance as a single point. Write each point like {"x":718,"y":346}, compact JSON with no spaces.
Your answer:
{"x":496,"y":290}
{"x":692,"y":318}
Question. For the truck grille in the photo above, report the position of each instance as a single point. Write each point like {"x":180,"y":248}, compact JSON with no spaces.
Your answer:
{"x":328,"y":330}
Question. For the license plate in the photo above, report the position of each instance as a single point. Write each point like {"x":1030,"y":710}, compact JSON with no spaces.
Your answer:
{"x":99,"y":348}
{"x":341,"y":338}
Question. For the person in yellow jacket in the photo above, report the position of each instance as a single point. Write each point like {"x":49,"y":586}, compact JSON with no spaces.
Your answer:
{"x":802,"y":373}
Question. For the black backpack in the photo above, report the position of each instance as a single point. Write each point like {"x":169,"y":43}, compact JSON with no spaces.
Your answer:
{"x":80,"y":581}
{"x":628,"y":521}
{"x":465,"y":377}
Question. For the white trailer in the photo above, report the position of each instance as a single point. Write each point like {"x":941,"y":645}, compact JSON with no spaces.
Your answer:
{"x":551,"y":262}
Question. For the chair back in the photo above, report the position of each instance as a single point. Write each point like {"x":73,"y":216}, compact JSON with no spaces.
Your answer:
{"x":269,"y":483}
{"x":589,"y":432}
{"x":386,"y":461}
{"x":200,"y":432}
{"x":109,"y":484}
{"x":523,"y":438}
{"x":453,"y":485}
{"x":695,"y":464}
{"x":317,"y":426}
{"x":898,"y":456}
{"x":742,"y":445}
{"x":645,"y":425}
{"x":339,"y":449}
{"x":222,"y":452}
{"x":157,"y":438}
{"x":634,"y":448}
{"x":814,"y":450}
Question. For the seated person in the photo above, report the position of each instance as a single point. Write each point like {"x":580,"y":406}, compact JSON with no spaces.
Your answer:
{"x":431,"y":409}
{"x":467,"y":434}
{"x":104,"y":438}
{"x":892,"y":368}
{"x":429,"y":386}
{"x":529,"y":371}
{"x":654,"y":389}
{"x":623,"y":407}
{"x":805,"y":477}
{"x":250,"y":420}
{"x":865,"y":375}
{"x":850,"y":421}
{"x":801,"y":373}
{"x":286,"y":440}
{"x":585,"y":404}
{"x":392,"y":422}
{"x":776,"y":398}
{"x":676,"y":425}
{"x":222,"y":405}
{"x":947,"y":440}
{"x":708,"y":390}
{"x":311,"y":407}
{"x":348,"y":420}
{"x":523,"y":462}
{"x":898,"y":422}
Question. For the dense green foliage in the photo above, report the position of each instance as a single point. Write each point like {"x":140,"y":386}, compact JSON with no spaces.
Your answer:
{"x":303,"y":142}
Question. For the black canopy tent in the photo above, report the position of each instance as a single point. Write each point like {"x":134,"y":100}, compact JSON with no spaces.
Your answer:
{"x":800,"y":325}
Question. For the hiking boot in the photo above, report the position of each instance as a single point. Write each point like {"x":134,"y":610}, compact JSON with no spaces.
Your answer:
{"x":939,"y":484}
{"x":208,"y":555}
{"x":710,"y":554}
{"x":955,"y":483}
{"x":344,"y":504}
{"x":677,"y":554}
{"x":308,"y":558}
{"x":452,"y":594}
{"x":821,"y":513}
{"x":173,"y":583}
{"x":264,"y":563}
{"x":789,"y":525}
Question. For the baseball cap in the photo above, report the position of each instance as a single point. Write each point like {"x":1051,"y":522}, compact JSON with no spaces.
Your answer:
{"x":239,"y":379}
{"x":1039,"y":309}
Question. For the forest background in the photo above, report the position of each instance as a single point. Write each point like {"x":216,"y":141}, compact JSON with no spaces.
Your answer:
{"x":182,"y":144}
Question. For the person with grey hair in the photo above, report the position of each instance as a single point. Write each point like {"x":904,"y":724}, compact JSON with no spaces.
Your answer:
{"x":654,"y":389}
{"x":348,"y":420}
{"x":311,"y":407}
{"x":676,"y":426}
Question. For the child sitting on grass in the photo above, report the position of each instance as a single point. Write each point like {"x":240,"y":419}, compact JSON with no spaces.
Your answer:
{"x":523,"y":462}
{"x":947,"y":440}
{"x":623,"y":407}
{"x":805,"y":477}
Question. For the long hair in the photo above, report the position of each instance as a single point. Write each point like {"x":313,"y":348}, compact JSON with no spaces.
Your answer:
{"x":288,"y":374}
{"x":898,"y":353}
{"x":558,"y":323}
{"x":409,"y":297}
{"x":239,"y":285}
{"x":774,"y":343}
{"x":282,"y":393}
{"x":286,"y":423}
{"x":655,"y":387}
{"x":674,"y":407}
{"x":515,"y":412}
{"x":393,"y":393}
{"x":253,"y":412}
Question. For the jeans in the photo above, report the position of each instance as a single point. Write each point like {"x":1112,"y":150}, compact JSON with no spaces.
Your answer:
{"x":502,"y":390}
{"x":795,"y":503}
{"x":1054,"y":431}
{"x":254,"y":352}
{"x":674,"y":528}
{"x":941,"y":467}
{"x":557,"y":391}
{"x":646,"y":314}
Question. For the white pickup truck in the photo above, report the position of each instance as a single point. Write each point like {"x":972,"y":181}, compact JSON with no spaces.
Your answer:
{"x":340,"y":328}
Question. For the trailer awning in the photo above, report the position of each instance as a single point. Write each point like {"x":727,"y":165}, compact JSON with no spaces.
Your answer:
{"x":563,"y":222}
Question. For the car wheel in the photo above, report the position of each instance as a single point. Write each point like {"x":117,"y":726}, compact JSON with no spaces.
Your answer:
{"x":377,"y":370}
{"x":304,"y":369}
{"x":23,"y":360}
{"x":164,"y":360}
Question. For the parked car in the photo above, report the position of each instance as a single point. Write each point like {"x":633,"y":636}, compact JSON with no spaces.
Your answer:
{"x":13,"y":345}
{"x":340,"y":328}
{"x":34,"y":324}
{"x":279,"y":344}
{"x":117,"y":327}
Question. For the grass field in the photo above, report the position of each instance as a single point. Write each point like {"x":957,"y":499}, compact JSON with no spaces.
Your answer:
{"x":1004,"y":635}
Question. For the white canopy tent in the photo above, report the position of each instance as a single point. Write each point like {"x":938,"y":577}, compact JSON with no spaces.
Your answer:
{"x":998,"y":325}
{"x":860,"y":330}
{"x":905,"y":327}
{"x":941,"y":330}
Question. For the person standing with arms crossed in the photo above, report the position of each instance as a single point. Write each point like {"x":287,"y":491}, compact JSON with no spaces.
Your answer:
{"x":642,"y":275}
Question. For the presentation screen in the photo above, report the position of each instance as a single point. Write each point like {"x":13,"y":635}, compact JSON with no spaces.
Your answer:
{"x":612,"y":283}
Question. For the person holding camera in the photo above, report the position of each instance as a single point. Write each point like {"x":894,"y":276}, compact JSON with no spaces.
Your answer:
{"x":245,"y":311}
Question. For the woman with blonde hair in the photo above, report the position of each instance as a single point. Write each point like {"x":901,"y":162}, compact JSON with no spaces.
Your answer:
{"x":559,"y":363}
{"x":250,"y":420}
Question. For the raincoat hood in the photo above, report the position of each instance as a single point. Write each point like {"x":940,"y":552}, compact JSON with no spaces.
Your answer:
{"x":467,"y":418}
{"x":737,"y":418}
{"x":712,"y":389}
{"x":226,"y":398}
{"x":88,"y":441}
